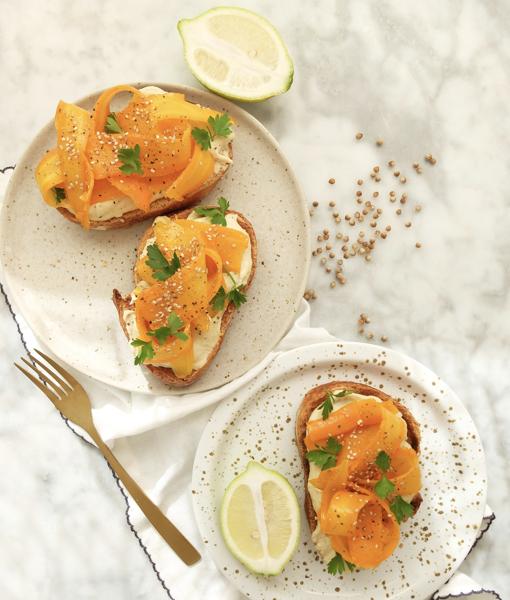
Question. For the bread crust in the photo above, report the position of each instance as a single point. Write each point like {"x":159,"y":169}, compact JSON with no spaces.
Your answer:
{"x":159,"y":207}
{"x":165,"y":374}
{"x":312,"y":400}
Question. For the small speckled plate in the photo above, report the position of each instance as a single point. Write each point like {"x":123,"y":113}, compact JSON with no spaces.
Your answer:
{"x":258,"y":424}
{"x":61,"y":277}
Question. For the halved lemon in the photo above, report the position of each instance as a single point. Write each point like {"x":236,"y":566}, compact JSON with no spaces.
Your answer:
{"x":237,"y":54}
{"x":260,"y":519}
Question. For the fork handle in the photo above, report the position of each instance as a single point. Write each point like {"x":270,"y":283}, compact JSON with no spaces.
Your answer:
{"x":172,"y":536}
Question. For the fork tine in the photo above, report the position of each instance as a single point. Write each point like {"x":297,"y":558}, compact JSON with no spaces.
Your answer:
{"x":36,"y":382}
{"x":58,"y":379}
{"x":67,"y":376}
{"x":58,"y":391}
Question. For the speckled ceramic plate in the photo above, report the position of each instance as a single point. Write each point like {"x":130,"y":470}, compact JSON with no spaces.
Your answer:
{"x":61,"y":277}
{"x":258,"y":424}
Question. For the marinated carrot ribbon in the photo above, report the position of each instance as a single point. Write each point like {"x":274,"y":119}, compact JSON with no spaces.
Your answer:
{"x":358,"y":521}
{"x":85,"y":167}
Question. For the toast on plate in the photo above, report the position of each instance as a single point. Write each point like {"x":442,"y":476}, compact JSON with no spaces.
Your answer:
{"x":183,"y":310}
{"x":160,"y":153}
{"x":352,"y":440}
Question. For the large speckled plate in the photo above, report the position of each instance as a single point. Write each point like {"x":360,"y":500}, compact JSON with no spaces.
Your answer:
{"x":258,"y":424}
{"x":61,"y":277}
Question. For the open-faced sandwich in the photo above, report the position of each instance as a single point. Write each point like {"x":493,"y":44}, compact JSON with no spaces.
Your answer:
{"x":359,"y":449}
{"x":112,"y":169}
{"x":191,"y":273}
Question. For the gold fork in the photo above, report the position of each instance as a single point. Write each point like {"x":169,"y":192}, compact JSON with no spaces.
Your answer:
{"x":72,"y":401}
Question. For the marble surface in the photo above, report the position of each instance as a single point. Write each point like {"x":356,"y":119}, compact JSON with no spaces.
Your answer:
{"x":425,"y":77}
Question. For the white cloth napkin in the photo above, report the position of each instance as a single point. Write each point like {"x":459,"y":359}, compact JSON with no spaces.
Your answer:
{"x":144,"y":432}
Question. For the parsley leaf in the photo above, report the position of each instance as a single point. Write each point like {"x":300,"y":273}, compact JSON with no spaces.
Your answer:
{"x":162,"y":269}
{"x":235,"y":296}
{"x":338,"y":565}
{"x":216,"y":213}
{"x":130,"y":157}
{"x":202,"y":137}
{"x":327,"y":405}
{"x":111,"y":125}
{"x":325,"y":457}
{"x":221,"y":125}
{"x":174,"y":323}
{"x":60,"y":194}
{"x":383,"y":461}
{"x":145,"y":352}
{"x":401,"y":509}
{"x":384,"y":487}
{"x":218,"y":301}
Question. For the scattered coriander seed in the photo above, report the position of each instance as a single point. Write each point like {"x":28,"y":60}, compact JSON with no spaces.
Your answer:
{"x":323,"y":260}
{"x":346,"y":238}
{"x":332,"y":204}
{"x":320,"y":238}
{"x":417,"y":208}
{"x":331,"y":180}
{"x":391,"y":163}
{"x":377,"y":178}
{"x":379,"y":142}
{"x":399,"y":211}
{"x":403,"y":180}
{"x":325,"y":231}
{"x":328,"y":246}
{"x":388,"y":227}
{"x":359,"y":135}
{"x":408,"y":224}
{"x":328,"y":270}
{"x":396,"y":173}
{"x":359,"y":200}
{"x":315,"y":203}
{"x":314,"y":253}
{"x":384,"y":235}
{"x":376,"y":169}
{"x":360,"y":182}
{"x":319,"y":250}
{"x":365,"y":211}
{"x":368,"y":257}
{"x":331,"y":255}
{"x":403,"y":199}
{"x":370,"y":336}
{"x":418,"y":245}
{"x":415,"y":164}
{"x":338,"y":236}
{"x":373,"y":223}
{"x":359,"y":193}
{"x":332,"y":284}
{"x":375,"y":194}
{"x":339,"y":262}
{"x":384,"y":338}
{"x":372,"y":175}
{"x":430,"y":159}
{"x":335,"y":214}
{"x":337,"y":219}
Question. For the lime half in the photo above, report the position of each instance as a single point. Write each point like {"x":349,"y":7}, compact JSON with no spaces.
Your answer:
{"x":237,"y":54}
{"x":260,"y":519}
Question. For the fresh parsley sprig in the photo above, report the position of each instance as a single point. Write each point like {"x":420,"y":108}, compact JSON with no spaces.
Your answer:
{"x":401,"y":509}
{"x":216,"y":213}
{"x":60,"y":194}
{"x":161,"y":267}
{"x":235,"y":295}
{"x":146,"y":349}
{"x":130,"y":159}
{"x":327,"y":405}
{"x":112,"y":125}
{"x":218,"y":126}
{"x":325,"y":457}
{"x":384,"y":487}
{"x":337,"y":565}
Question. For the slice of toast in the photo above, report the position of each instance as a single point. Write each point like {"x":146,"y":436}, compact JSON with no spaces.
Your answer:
{"x":124,"y":303}
{"x":158,"y":207}
{"x":312,"y":400}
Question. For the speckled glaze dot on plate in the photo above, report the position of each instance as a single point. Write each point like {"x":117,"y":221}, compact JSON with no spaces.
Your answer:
{"x":258,"y":424}
{"x":61,"y":277}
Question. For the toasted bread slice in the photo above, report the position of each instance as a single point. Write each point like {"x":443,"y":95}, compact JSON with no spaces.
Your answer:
{"x":124,"y":303}
{"x":158,"y":207}
{"x":312,"y":400}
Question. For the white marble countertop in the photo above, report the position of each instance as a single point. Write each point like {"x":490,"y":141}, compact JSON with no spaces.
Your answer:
{"x":425,"y":77}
